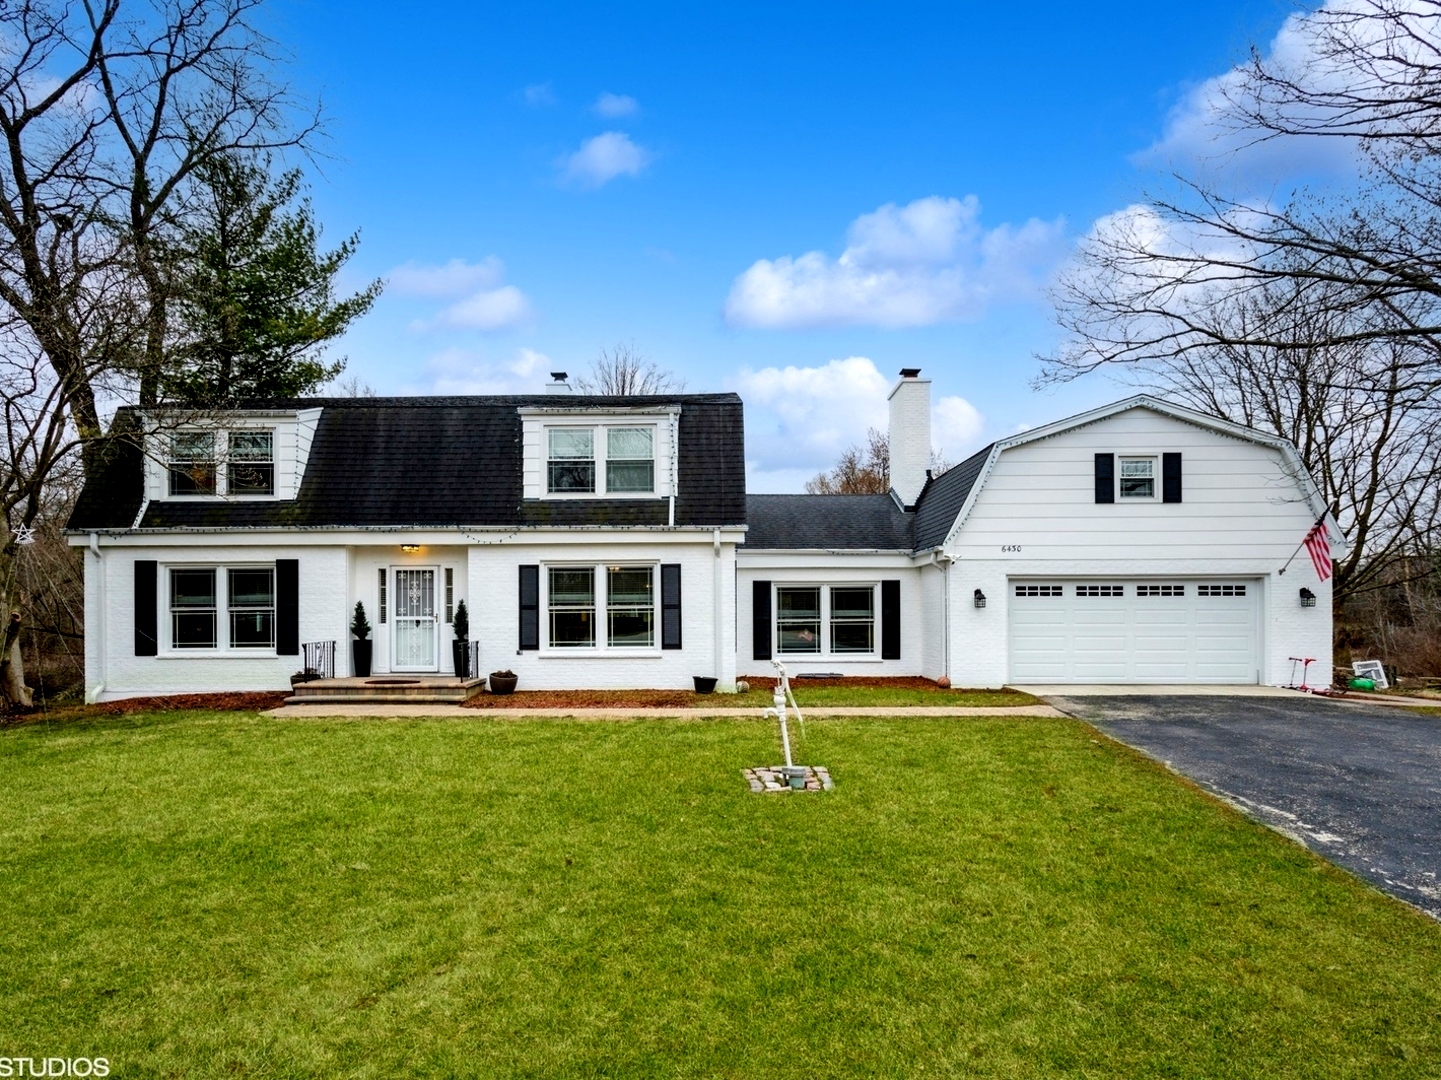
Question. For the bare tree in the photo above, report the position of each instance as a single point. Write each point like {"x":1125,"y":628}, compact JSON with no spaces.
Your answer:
{"x":105,"y":117}
{"x":1318,"y":318}
{"x":866,"y":470}
{"x":623,"y":372}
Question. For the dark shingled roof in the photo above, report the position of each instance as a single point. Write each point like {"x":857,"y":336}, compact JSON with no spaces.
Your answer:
{"x":829,"y":522}
{"x":440,"y":462}
{"x":942,"y":499}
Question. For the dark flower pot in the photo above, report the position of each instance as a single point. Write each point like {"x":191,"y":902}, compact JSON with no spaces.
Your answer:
{"x":704,"y":685}
{"x":503,"y":684}
{"x":460,"y":657}
{"x":360,"y":658}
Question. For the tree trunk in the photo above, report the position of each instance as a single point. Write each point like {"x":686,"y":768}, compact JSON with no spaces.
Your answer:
{"x":12,"y":667}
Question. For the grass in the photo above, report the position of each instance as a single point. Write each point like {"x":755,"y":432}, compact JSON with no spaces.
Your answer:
{"x":204,"y":894}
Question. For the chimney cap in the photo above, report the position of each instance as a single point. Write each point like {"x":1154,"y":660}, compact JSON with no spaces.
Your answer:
{"x":558,"y":376}
{"x":910,"y":372}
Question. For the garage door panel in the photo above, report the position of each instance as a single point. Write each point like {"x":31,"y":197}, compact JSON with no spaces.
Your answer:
{"x":1154,"y":631}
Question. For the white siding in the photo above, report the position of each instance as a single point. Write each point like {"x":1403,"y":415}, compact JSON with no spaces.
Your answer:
{"x":534,"y":449}
{"x":1241,"y":516}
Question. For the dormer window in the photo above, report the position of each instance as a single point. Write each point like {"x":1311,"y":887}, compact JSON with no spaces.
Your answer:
{"x":572,"y":461}
{"x":196,"y":457}
{"x":192,"y":463}
{"x":251,"y":463}
{"x":630,"y":459}
{"x":573,"y":455}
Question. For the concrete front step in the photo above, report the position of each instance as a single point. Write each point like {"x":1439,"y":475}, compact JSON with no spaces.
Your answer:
{"x":381,"y":690}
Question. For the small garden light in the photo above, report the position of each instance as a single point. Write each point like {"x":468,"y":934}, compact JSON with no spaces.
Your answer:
{"x":980,"y":599}
{"x":1308,"y":598}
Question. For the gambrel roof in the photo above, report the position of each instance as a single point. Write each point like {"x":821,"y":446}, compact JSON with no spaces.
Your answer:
{"x":437,"y":462}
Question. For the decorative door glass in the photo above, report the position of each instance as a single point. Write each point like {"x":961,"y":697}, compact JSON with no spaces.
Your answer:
{"x":413,"y":618}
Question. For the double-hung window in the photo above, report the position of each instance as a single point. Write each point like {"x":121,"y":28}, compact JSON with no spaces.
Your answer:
{"x":798,"y":619}
{"x":630,"y":606}
{"x":572,"y":606}
{"x":250,"y":597}
{"x":853,"y":620}
{"x":571,"y":465}
{"x":192,"y":463}
{"x":193,"y":608}
{"x":250,"y":462}
{"x":1138,"y":478}
{"x":629,"y":460}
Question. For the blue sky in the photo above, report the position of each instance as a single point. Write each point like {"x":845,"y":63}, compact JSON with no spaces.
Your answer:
{"x":790,"y":201}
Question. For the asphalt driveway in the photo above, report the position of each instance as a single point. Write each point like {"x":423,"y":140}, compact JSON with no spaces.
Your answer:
{"x":1358,"y":784}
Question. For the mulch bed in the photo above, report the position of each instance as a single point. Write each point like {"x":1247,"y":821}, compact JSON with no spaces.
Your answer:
{"x":683,"y":699}
{"x":250,"y":701}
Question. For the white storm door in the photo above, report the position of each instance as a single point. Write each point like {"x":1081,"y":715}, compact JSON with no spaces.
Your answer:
{"x":414,"y":633}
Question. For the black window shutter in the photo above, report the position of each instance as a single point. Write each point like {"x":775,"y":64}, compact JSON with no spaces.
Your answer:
{"x":1105,"y":478}
{"x":1170,"y":477}
{"x":530,"y":607}
{"x":287,"y":607}
{"x":761,"y":620}
{"x":670,"y":605}
{"x":146,"y":641}
{"x":890,"y":620}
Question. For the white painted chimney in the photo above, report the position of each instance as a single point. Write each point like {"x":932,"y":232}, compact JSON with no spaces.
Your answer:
{"x":910,"y":435}
{"x":557,"y":385}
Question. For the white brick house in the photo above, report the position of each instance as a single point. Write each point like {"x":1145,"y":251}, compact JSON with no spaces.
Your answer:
{"x":609,"y":542}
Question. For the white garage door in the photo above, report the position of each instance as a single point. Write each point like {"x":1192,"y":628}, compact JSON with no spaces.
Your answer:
{"x":1134,"y":631}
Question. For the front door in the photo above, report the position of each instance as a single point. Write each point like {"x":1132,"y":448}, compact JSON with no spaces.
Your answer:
{"x":415,"y":630}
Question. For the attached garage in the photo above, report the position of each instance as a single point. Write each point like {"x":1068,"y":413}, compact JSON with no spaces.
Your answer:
{"x":1137,"y":630}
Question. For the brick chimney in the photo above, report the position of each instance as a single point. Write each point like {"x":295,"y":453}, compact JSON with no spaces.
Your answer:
{"x":910,"y":435}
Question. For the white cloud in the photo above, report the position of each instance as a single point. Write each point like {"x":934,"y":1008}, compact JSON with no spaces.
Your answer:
{"x":800,"y":419}
{"x":613,"y":105}
{"x":484,"y":303}
{"x":603,"y":158}
{"x":538,"y":94}
{"x":460,"y":371}
{"x":450,"y":279}
{"x":1202,"y":128}
{"x":927,"y":262}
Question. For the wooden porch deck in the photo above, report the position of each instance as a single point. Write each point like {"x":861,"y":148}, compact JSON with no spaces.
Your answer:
{"x":387,"y":690}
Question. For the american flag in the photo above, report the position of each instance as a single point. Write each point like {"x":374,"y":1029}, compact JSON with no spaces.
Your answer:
{"x":1319,"y":547}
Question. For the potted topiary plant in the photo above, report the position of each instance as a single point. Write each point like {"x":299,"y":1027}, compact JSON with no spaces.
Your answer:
{"x":360,"y":647}
{"x":460,"y":647}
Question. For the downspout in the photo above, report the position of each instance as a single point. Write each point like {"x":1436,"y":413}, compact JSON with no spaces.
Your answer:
{"x":674,"y":460}
{"x":939,"y":558}
{"x":717,"y":616}
{"x":92,"y":695}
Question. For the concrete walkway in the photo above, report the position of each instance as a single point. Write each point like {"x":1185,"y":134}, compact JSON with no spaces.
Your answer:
{"x":456,"y":712}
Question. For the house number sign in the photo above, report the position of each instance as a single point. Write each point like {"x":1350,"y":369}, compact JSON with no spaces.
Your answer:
{"x":1008,"y":548}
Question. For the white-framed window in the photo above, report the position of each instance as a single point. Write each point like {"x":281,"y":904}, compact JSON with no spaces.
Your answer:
{"x":826,"y":620}
{"x":601,"y":607}
{"x":194,"y":461}
{"x":574,"y":464}
{"x":1137,"y":478}
{"x":198,"y":595}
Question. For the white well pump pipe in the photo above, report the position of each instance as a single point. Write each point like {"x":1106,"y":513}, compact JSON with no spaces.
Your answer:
{"x":779,"y":698}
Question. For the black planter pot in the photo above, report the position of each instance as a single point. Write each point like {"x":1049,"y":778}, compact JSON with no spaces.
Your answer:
{"x":503,"y":684}
{"x":460,"y":657}
{"x":360,"y":658}
{"x":704,"y":684}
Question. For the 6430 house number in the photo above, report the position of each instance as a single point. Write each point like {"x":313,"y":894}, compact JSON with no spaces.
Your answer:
{"x":1007,"y":549}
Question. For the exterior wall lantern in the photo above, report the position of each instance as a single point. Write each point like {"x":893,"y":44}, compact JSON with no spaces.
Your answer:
{"x":980,"y":599}
{"x":1308,"y":598}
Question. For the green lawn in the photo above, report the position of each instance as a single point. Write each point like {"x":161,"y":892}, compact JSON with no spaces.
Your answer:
{"x":811,"y":694}
{"x":195,"y":894}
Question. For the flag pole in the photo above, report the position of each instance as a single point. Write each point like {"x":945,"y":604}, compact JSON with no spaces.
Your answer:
{"x":1319,"y":521}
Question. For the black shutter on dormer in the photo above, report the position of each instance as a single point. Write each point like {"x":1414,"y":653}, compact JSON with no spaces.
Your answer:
{"x":1105,"y":478}
{"x":760,"y":620}
{"x":670,"y":605}
{"x":530,"y":607}
{"x":1171,"y":478}
{"x":890,"y":620}
{"x":146,"y":639}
